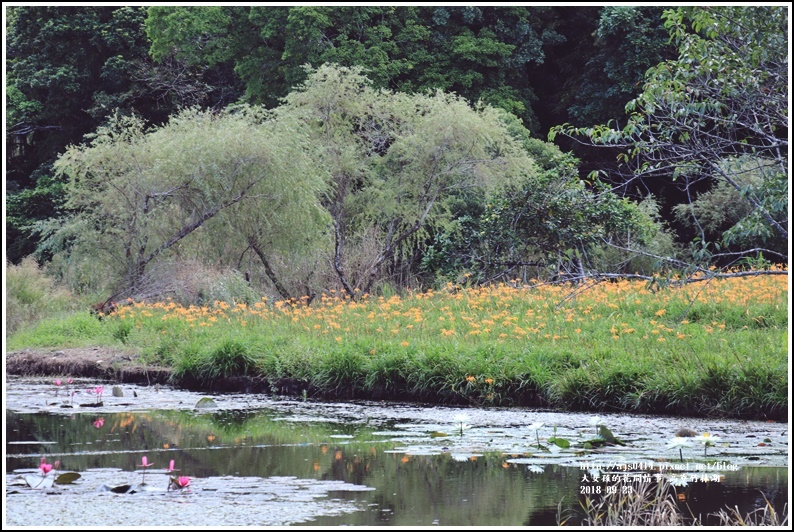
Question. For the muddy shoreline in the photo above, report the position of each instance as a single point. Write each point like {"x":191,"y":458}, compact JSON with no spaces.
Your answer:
{"x":125,"y":368}
{"x":92,"y":362}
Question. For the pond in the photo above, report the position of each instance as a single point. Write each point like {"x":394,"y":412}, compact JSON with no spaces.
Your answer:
{"x":258,"y":460}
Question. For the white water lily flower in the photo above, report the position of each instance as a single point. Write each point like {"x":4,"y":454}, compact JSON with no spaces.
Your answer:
{"x":461,"y":418}
{"x":679,"y":442}
{"x":707,"y":439}
{"x":535,"y":468}
{"x":460,"y":422}
{"x":596,"y":420}
{"x":535,"y":426}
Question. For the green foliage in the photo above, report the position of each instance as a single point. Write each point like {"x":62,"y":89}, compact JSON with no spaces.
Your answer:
{"x":230,"y":288}
{"x":67,"y":69}
{"x":476,"y":52}
{"x":725,"y":214}
{"x":137,"y":194}
{"x":544,"y":223}
{"x":75,"y":330}
{"x":628,"y":41}
{"x":202,"y":32}
{"x":340,"y":372}
{"x":396,"y":162}
{"x":722,"y":101}
{"x":122,"y":331}
{"x":230,"y":358}
{"x":31,"y":296}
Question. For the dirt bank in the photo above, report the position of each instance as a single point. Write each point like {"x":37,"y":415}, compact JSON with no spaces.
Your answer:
{"x":122,"y":367}
{"x":92,"y":362}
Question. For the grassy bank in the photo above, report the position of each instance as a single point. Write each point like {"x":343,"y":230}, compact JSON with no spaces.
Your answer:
{"x":713,"y":348}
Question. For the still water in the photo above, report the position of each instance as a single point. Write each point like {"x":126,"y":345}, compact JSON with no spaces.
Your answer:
{"x":270,"y":461}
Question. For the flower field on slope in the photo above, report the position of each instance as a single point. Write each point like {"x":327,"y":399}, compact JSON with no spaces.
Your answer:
{"x":716,"y":347}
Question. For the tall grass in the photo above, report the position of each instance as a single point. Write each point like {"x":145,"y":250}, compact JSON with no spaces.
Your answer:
{"x":717,"y":348}
{"x":656,"y":504}
{"x":32,"y":296}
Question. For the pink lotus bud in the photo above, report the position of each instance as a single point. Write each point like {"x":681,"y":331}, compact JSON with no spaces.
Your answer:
{"x":57,"y":382}
{"x":145,"y":462}
{"x":171,"y":466}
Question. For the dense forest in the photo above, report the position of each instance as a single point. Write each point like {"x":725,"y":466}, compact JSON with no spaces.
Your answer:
{"x":225,"y":152}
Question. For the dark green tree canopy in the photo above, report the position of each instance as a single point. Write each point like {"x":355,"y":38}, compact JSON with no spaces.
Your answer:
{"x":718,"y":112}
{"x":476,"y":52}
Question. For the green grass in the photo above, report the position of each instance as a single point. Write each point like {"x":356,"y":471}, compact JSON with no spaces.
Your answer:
{"x":32,"y":296}
{"x":715,"y":350}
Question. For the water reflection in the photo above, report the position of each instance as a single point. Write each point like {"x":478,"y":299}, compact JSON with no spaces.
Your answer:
{"x":410,"y":486}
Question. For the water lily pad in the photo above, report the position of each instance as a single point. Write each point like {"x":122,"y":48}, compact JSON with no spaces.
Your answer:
{"x":117,"y":392}
{"x":560,"y":442}
{"x":67,"y":478}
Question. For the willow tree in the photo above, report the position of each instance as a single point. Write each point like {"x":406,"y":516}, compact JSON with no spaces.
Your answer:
{"x":137,"y":196}
{"x":395,"y":163}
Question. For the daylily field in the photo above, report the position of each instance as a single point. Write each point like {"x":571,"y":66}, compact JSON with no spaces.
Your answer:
{"x":714,"y":347}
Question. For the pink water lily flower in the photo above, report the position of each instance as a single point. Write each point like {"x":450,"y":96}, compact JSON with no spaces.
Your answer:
{"x":44,"y":466}
{"x":57,"y":382}
{"x":99,"y":422}
{"x":183,"y":482}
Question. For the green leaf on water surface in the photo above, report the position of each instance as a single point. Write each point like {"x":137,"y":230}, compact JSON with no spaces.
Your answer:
{"x":67,"y":478}
{"x":560,"y":442}
{"x":607,"y":435}
{"x":595,"y":443}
